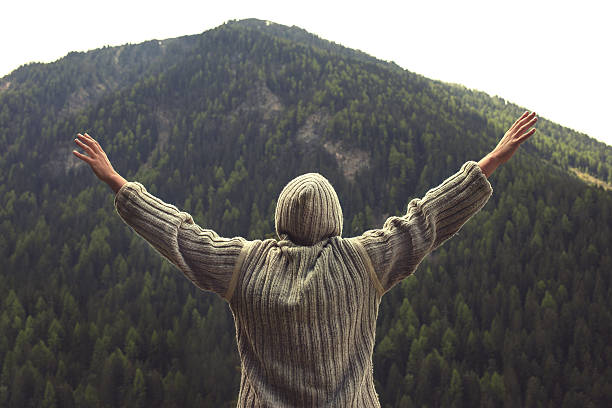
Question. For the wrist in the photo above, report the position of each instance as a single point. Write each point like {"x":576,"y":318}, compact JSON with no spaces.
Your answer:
{"x":115,"y":181}
{"x":489,"y":163}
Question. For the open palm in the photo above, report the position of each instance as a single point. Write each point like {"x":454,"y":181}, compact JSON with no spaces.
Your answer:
{"x":520,"y":131}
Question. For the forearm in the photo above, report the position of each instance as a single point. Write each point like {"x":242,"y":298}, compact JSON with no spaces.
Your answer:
{"x":398,"y":248}
{"x":205,"y":258}
{"x":447,"y":207}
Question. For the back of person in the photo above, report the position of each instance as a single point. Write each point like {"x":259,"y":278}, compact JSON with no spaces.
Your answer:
{"x":305,"y":307}
{"x":305,"y":320}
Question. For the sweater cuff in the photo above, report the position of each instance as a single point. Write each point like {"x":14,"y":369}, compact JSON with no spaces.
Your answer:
{"x":124,"y":195}
{"x":477,"y":176}
{"x":121,"y":194}
{"x":469,"y":173}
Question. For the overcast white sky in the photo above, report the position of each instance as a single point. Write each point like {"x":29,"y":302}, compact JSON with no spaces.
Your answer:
{"x":549,"y":56}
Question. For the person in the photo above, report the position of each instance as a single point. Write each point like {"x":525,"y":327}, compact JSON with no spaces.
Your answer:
{"x":305,"y":305}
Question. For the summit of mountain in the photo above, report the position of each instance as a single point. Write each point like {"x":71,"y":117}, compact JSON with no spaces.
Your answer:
{"x":80,"y":80}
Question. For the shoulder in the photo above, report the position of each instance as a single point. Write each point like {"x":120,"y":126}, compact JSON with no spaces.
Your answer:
{"x":255,"y":249}
{"x":362,"y":260}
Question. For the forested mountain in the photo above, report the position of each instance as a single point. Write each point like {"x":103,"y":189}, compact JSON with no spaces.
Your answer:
{"x":514,"y":311}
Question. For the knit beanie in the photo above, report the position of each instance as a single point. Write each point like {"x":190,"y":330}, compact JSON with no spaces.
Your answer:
{"x":308,"y":210}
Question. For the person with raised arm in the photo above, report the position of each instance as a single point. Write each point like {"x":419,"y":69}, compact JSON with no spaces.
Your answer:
{"x":305,"y":305}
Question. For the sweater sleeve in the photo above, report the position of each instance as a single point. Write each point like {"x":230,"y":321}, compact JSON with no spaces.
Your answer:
{"x":396,"y":250}
{"x":206,"y":259}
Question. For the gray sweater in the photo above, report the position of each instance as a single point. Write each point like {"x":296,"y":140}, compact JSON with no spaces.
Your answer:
{"x":305,"y":306}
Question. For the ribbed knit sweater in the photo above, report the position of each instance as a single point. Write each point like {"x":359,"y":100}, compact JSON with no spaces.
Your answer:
{"x":305,"y":306}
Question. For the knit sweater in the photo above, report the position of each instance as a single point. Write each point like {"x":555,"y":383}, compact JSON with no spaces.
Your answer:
{"x":305,"y":306}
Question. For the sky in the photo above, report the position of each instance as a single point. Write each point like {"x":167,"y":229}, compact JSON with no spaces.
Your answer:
{"x":552,"y":57}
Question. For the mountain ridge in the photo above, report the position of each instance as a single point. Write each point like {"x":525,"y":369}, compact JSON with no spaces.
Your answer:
{"x":583,"y":152}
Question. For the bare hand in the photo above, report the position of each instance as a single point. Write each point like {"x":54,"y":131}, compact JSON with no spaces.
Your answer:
{"x":517,"y":134}
{"x":520,"y":131}
{"x":98,"y":161}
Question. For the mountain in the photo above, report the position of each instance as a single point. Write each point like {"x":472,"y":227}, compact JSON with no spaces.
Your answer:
{"x":514,"y":311}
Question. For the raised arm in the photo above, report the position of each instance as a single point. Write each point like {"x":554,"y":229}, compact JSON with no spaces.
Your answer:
{"x":400,"y":245}
{"x":205,"y":258}
{"x":395,"y":250}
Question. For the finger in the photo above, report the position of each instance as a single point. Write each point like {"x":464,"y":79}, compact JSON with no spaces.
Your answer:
{"x":86,"y":159}
{"x":85,"y":137}
{"x":88,"y":141}
{"x":526,"y":118}
{"x":87,"y":149}
{"x":527,"y":135}
{"x":527,"y":125}
{"x":517,"y":122}
{"x":530,"y":121}
{"x":523,"y":116}
{"x":97,"y":145}
{"x":518,"y":127}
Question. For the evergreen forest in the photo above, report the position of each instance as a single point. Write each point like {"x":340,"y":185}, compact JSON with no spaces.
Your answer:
{"x":516,"y":310}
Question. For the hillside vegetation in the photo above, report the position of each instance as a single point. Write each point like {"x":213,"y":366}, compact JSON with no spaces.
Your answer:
{"x":513,"y":311}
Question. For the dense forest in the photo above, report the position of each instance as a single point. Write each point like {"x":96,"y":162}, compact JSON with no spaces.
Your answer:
{"x":513,"y":311}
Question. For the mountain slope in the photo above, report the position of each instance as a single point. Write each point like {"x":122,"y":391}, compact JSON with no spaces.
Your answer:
{"x":515,"y":309}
